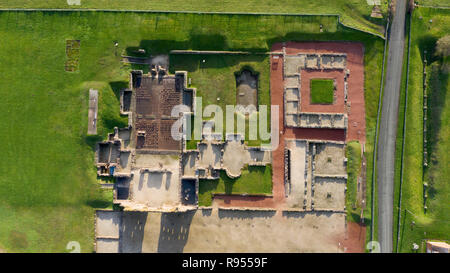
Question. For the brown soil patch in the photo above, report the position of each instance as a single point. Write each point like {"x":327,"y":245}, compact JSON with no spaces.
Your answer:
{"x":355,"y":239}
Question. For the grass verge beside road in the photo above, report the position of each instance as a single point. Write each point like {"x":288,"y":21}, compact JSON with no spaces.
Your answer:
{"x":416,"y":225}
{"x":353,"y":154}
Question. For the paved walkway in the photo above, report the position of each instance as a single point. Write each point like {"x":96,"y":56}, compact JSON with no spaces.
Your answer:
{"x":93,"y":109}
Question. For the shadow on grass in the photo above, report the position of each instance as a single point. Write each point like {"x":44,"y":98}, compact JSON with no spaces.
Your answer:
{"x":156,"y":47}
{"x":380,"y":22}
{"x":144,"y":67}
{"x":343,"y":34}
{"x":427,"y":43}
{"x":196,"y":41}
{"x":354,"y":217}
{"x":192,"y":63}
{"x":244,"y":68}
{"x":218,"y":42}
{"x":111,"y":122}
{"x":117,"y":87}
{"x":208,"y":42}
{"x":98,"y":204}
{"x":437,"y":97}
{"x":92,"y":140}
{"x":106,"y":179}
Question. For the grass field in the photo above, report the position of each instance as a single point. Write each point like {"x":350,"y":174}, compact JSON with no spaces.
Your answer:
{"x":373,"y":60}
{"x":434,"y":223}
{"x":253,"y":180}
{"x":48,"y":177}
{"x":322,"y":91}
{"x":355,"y":13}
{"x":353,"y":153}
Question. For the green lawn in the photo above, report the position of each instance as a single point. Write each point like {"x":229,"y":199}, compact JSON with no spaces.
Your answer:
{"x":48,"y":181}
{"x":353,"y":154}
{"x":322,"y":91}
{"x":253,"y":180}
{"x":355,"y":13}
{"x":434,"y":223}
{"x":373,"y":60}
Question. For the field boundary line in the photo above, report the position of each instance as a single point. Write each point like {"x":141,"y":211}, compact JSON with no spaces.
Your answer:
{"x":196,"y":12}
{"x":434,"y":7}
{"x":404,"y":136}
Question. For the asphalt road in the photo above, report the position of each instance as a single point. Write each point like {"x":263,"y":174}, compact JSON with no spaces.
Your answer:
{"x":388,"y":128}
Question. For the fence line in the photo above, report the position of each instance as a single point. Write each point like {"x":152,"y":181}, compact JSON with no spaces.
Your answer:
{"x":434,"y":7}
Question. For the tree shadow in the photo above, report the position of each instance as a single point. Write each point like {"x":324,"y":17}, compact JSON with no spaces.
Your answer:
{"x":98,"y":204}
{"x":195,"y":42}
{"x":208,"y":42}
{"x":92,"y":140}
{"x":342,"y":34}
{"x":153,"y":47}
{"x":427,"y":43}
{"x":117,"y":87}
{"x":436,"y":102}
{"x":356,"y":218}
{"x":111,"y":122}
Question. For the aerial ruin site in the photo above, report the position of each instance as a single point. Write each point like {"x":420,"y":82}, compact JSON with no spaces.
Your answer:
{"x":157,"y":177}
{"x":229,"y":126}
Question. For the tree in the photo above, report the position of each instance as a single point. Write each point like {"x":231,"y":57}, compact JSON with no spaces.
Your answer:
{"x":443,"y":46}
